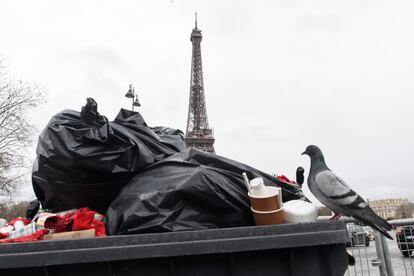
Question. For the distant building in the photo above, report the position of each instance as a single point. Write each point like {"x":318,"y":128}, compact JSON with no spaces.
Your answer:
{"x":394,"y":208}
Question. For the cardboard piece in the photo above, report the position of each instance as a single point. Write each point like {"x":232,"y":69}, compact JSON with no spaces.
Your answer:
{"x":82,"y":234}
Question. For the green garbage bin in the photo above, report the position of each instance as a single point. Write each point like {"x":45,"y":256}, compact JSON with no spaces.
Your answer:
{"x":288,"y":249}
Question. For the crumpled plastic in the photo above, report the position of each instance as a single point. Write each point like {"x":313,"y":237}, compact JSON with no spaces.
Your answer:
{"x":82,"y":219}
{"x":11,"y":226}
{"x":38,"y":235}
{"x":24,"y":220}
{"x":188,"y":191}
{"x":285,"y":179}
{"x":58,"y":223}
{"x":4,"y":234}
{"x":85,"y":160}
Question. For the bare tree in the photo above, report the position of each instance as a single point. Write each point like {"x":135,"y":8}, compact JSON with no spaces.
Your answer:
{"x":405,"y":210}
{"x":9,"y":210}
{"x":17,"y":99}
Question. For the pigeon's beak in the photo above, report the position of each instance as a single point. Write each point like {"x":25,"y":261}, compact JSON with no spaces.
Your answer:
{"x":305,"y":152}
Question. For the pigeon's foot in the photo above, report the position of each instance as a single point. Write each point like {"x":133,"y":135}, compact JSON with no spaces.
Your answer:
{"x":335,"y":217}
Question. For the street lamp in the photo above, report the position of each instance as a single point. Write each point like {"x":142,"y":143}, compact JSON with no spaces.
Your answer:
{"x":131,"y":94}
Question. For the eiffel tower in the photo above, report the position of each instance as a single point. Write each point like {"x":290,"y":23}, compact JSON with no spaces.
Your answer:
{"x":198,"y":134}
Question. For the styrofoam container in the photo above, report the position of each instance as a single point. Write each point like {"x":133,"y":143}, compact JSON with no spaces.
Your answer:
{"x":300,"y":211}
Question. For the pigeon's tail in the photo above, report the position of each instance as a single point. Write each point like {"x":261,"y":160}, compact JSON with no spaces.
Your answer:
{"x":383,"y":231}
{"x":368,"y":216}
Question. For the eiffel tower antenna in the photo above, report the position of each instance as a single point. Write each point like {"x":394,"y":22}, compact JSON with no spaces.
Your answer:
{"x":198,"y":134}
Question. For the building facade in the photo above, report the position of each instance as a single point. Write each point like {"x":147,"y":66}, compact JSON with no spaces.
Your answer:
{"x":394,"y":208}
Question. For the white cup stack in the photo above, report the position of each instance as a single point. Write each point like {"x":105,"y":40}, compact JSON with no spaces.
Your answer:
{"x":266,"y":202}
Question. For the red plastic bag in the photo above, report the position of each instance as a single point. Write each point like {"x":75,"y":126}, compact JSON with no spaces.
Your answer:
{"x":59,"y":224}
{"x":84,"y":219}
{"x":38,"y":235}
{"x":24,"y":220}
{"x":81,"y":219}
{"x":285,"y":179}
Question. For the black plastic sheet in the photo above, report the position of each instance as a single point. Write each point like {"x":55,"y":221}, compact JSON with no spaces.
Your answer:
{"x":187,"y":191}
{"x":84,"y":161}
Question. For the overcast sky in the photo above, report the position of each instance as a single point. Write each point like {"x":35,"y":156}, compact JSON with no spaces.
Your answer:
{"x":278,"y":75}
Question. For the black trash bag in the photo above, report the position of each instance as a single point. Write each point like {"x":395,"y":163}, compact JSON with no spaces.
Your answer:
{"x":32,"y":209}
{"x":84,"y":161}
{"x":188,"y":191}
{"x":168,"y":136}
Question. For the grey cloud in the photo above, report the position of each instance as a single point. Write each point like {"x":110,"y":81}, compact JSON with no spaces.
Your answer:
{"x":279,"y":75}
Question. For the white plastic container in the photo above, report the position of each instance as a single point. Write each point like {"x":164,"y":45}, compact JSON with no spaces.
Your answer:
{"x":18,"y":225}
{"x":3,"y":222}
{"x":258,"y":189}
{"x":297,"y":211}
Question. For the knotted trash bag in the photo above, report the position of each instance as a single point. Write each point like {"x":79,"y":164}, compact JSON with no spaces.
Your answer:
{"x":187,"y":191}
{"x":84,"y":161}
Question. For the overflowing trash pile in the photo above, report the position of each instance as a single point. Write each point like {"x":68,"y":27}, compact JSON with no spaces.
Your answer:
{"x":189,"y":190}
{"x":80,"y":223}
{"x":143,"y":179}
{"x":85,"y":160}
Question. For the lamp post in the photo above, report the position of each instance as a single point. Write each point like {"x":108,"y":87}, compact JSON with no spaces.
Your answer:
{"x":131,"y":94}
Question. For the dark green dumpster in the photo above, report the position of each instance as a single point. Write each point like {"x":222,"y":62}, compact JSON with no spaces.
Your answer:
{"x":288,"y":249}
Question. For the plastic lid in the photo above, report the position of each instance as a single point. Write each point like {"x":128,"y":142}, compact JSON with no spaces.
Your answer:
{"x":257,"y":183}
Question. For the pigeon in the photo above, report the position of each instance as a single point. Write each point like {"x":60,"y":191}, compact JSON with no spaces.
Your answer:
{"x":335,"y":194}
{"x":300,"y":178}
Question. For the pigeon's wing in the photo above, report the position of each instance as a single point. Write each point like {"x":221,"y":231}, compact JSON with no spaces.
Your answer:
{"x":337,"y":192}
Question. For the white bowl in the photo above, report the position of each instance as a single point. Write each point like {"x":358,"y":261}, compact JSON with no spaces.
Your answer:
{"x":300,"y":211}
